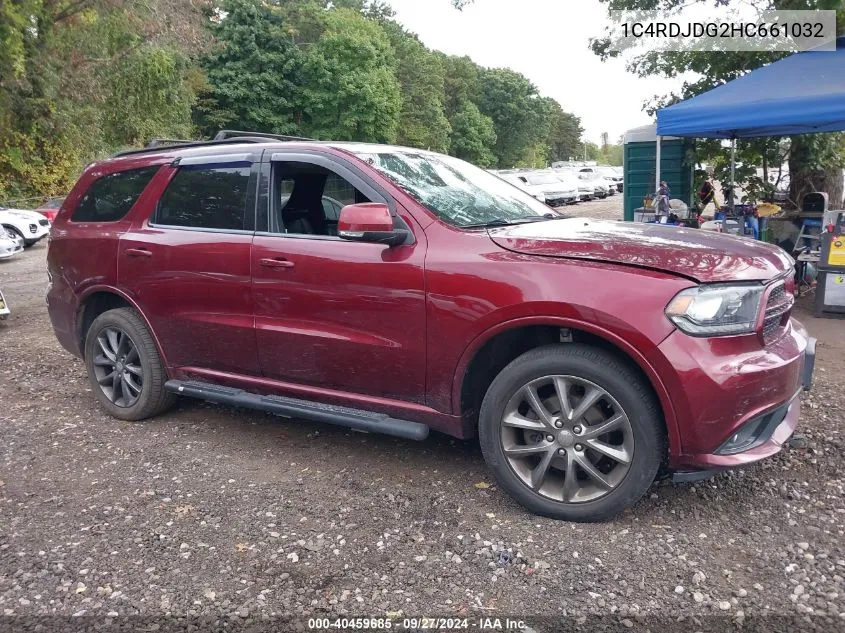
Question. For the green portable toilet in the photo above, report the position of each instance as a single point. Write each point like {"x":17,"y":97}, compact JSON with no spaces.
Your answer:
{"x":677,"y":167}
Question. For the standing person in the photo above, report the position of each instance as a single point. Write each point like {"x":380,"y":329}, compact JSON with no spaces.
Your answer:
{"x":706,"y":195}
{"x":662,"y":202}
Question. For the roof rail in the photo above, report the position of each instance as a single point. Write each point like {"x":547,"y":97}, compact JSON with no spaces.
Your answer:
{"x":223,"y":137}
{"x":188,"y":144}
{"x":162,"y":142}
{"x":227,"y":134}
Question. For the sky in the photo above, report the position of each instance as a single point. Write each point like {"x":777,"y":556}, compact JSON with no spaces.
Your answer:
{"x":548,"y":42}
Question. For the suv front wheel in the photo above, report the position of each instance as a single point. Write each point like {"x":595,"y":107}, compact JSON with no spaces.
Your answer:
{"x":124,"y":366}
{"x":571,"y":432}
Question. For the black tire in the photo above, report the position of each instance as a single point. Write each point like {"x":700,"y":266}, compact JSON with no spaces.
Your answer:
{"x":616,"y":377}
{"x":12,"y":229}
{"x":153,"y":398}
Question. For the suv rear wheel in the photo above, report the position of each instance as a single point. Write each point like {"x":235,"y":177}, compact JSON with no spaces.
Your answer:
{"x":124,"y":366}
{"x":571,"y":432}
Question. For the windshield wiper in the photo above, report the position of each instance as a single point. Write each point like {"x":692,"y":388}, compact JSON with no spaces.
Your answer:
{"x":500,"y":222}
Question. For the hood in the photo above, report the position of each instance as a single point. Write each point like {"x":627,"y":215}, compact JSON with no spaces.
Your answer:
{"x":700,"y":255}
{"x":24,"y":214}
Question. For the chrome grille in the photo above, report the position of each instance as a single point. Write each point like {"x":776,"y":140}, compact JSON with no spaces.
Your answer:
{"x":778,"y":307}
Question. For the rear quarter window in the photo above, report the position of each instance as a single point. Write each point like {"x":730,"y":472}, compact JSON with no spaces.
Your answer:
{"x":110,"y":198}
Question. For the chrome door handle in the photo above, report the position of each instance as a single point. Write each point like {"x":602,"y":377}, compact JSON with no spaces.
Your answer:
{"x":277,"y":262}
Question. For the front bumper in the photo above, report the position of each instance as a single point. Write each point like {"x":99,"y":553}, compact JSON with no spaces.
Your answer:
{"x":559,"y":199}
{"x":40,"y":234}
{"x":10,"y":248}
{"x":731,"y":388}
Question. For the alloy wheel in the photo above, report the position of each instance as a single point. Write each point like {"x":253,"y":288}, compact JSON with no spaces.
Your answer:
{"x":117,"y":367}
{"x":567,"y":439}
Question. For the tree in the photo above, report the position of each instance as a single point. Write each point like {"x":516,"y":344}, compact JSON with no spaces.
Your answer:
{"x":513,"y":104}
{"x":422,"y":121}
{"x":253,"y":72}
{"x":349,"y":82}
{"x":473,"y":135}
{"x":565,"y":132}
{"x":146,"y":97}
{"x":65,"y":67}
{"x":461,"y":83}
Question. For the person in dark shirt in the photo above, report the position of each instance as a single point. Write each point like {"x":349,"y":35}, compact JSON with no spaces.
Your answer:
{"x":706,"y":195}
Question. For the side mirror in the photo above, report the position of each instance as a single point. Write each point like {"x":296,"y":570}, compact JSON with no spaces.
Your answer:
{"x":369,"y":222}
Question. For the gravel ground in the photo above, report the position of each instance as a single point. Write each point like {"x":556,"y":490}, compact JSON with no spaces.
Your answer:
{"x":608,"y":209}
{"x":217,"y":513}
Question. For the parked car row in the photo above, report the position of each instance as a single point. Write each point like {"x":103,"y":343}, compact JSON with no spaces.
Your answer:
{"x":561,"y":185}
{"x":611,"y":174}
{"x":21,"y":228}
{"x":544,"y":185}
{"x":29,"y":226}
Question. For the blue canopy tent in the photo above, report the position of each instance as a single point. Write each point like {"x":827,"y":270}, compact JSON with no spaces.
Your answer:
{"x":800,"y":94}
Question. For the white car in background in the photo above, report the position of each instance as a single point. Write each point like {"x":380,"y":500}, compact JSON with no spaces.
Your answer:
{"x":611,"y":175}
{"x":571,"y":181}
{"x":586,"y":191}
{"x":514,"y":179}
{"x":30,"y":226}
{"x":557,"y":193}
{"x":598,"y":184}
{"x":10,"y":244}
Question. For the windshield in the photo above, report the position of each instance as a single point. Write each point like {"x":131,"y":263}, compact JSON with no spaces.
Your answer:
{"x":455,"y":191}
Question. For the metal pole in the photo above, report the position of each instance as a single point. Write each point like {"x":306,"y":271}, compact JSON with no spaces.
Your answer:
{"x":657,"y":167}
{"x":733,"y":170}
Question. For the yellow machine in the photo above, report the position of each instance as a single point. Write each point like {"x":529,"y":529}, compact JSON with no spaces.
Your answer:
{"x":830,"y":291}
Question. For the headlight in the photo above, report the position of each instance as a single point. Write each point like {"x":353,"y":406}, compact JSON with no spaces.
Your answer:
{"x":718,"y":310}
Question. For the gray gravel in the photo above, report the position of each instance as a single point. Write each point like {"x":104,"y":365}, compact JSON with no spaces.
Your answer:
{"x":210,"y":511}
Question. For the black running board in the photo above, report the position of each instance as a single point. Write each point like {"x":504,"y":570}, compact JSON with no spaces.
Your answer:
{"x":357,"y":419}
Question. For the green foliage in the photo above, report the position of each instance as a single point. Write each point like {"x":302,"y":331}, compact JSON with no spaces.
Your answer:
{"x":349,"y":81}
{"x":80,"y":79}
{"x":473,"y":135}
{"x":565,"y":131}
{"x":422,"y":121}
{"x":14,"y":22}
{"x":252,"y":72}
{"x":146,"y":97}
{"x":461,"y":83}
{"x":518,"y":113}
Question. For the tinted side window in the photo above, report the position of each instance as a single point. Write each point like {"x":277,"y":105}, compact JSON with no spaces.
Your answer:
{"x":204,"y":197}
{"x":110,"y":198}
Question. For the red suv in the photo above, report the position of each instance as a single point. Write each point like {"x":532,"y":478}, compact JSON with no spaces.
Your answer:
{"x":395,"y":290}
